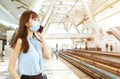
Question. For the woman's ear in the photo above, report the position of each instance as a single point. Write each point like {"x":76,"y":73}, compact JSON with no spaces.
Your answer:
{"x":27,"y":24}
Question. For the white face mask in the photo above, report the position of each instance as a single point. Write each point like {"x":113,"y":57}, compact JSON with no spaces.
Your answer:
{"x":35,"y":26}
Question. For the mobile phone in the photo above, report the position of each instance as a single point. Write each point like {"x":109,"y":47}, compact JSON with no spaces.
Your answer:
{"x":40,"y":29}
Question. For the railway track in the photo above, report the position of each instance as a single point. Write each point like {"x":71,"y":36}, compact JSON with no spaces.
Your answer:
{"x":106,"y":65}
{"x":96,"y":68}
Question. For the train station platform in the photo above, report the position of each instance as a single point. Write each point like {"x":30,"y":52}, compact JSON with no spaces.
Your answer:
{"x":53,"y":68}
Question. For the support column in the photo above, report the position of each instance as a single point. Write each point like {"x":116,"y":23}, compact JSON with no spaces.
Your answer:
{"x":97,"y":35}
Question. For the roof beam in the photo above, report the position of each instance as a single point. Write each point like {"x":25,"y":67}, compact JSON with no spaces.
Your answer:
{"x":36,"y":5}
{"x":25,"y":5}
{"x":67,"y":36}
{"x":47,"y":17}
{"x":72,"y":7}
{"x":7,"y":12}
{"x":105,"y":6}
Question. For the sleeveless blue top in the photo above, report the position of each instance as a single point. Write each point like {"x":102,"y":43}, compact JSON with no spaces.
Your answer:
{"x":31,"y":63}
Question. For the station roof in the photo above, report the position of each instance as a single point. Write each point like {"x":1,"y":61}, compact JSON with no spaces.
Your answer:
{"x":57,"y":12}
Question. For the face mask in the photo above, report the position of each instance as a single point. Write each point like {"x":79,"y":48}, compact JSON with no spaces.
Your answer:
{"x":35,"y":26}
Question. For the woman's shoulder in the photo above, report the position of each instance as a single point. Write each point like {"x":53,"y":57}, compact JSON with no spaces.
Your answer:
{"x":17,"y":48}
{"x":19,"y":41}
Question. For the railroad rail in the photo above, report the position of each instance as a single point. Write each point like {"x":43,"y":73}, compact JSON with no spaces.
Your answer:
{"x":93,"y":63}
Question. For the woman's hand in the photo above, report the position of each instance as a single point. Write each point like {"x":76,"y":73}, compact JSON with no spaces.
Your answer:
{"x":40,"y":36}
{"x":46,"y":52}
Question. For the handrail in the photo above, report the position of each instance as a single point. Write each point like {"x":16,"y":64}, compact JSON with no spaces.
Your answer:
{"x":115,"y":32}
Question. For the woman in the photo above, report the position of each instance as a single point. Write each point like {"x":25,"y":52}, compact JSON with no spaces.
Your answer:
{"x":28,"y":48}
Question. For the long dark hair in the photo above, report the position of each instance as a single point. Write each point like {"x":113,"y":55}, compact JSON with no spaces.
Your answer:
{"x":22,"y":30}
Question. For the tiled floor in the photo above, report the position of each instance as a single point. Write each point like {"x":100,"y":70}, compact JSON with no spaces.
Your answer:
{"x":54,"y":69}
{"x":4,"y":74}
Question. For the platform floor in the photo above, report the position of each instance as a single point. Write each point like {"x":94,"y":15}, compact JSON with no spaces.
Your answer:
{"x":53,"y":68}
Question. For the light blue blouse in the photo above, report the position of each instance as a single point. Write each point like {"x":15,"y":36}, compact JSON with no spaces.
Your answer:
{"x":31,"y":63}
